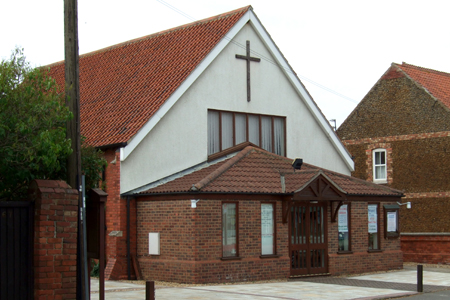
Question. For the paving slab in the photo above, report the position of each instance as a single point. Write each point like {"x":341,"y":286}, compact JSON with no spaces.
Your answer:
{"x":266,"y":291}
{"x":374,"y":286}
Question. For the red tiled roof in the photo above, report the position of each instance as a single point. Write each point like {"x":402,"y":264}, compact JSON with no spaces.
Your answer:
{"x":254,"y":170}
{"x":436,"y":82}
{"x":122,"y":86}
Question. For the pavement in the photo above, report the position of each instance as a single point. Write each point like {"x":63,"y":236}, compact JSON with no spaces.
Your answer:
{"x":389,"y":285}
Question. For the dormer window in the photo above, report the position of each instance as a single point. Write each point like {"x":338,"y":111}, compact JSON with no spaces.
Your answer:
{"x":379,"y":166}
{"x":228,"y":129}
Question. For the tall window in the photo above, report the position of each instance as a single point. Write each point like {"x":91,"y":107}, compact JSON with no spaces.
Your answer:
{"x":229,"y":230}
{"x":267,"y":229}
{"x":344,"y":244}
{"x":228,"y":129}
{"x":379,"y":166}
{"x":374,"y":242}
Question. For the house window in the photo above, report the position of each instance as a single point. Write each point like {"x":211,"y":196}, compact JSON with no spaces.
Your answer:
{"x":267,"y":229}
{"x":379,"y":166}
{"x":344,"y":241}
{"x":373,"y":227}
{"x":230,"y":236}
{"x":228,"y":129}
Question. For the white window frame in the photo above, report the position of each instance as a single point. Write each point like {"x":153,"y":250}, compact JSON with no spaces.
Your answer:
{"x":375,"y":166}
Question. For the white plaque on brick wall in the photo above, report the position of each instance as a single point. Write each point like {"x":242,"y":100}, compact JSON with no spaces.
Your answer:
{"x":153,"y":243}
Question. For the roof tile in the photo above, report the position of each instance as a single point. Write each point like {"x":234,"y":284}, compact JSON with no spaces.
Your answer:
{"x":122,"y":86}
{"x":436,"y":82}
{"x":254,"y":170}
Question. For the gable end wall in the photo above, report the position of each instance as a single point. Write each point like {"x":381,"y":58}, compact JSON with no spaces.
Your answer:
{"x":395,"y":106}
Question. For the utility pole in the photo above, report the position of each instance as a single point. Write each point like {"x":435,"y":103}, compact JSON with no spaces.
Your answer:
{"x":73,"y":127}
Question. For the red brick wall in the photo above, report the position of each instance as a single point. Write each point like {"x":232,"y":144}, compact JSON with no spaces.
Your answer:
{"x":426,"y":248}
{"x":191,"y":244}
{"x":116,"y":220}
{"x":360,"y":260}
{"x":55,"y":242}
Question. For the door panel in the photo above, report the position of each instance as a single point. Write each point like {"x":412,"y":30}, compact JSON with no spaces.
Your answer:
{"x":308,"y":242}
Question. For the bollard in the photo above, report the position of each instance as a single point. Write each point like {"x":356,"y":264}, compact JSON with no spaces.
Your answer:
{"x":420,"y":278}
{"x":150,"y":290}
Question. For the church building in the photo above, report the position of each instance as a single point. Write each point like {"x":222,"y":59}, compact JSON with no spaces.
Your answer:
{"x":200,"y":125}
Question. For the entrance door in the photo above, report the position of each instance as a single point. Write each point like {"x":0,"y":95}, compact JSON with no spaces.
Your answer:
{"x":308,"y":242}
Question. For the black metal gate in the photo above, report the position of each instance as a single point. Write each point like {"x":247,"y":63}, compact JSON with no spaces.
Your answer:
{"x":16,"y":250}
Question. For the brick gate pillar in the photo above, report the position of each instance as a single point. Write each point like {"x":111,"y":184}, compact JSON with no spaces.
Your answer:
{"x":55,"y":239}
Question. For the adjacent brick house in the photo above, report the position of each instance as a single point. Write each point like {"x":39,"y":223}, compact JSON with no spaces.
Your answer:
{"x":399,"y":136}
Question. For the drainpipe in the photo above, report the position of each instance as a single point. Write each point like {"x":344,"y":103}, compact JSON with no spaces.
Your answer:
{"x":128,"y":239}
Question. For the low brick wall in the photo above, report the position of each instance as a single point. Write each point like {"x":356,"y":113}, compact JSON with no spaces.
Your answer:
{"x":365,"y":262}
{"x":55,"y":241}
{"x":426,"y":248}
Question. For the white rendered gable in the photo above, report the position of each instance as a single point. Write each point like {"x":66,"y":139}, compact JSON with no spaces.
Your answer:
{"x":175,"y":138}
{"x":279,"y":58}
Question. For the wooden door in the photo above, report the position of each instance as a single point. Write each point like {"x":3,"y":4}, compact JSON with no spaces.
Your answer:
{"x":308,"y":241}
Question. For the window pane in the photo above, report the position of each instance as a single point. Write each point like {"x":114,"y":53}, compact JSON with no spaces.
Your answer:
{"x":343,"y":240}
{"x":377,"y":158}
{"x":373,"y":241}
{"x":380,"y":158}
{"x":278,"y":134}
{"x":373,"y":226}
{"x":213,"y":132}
{"x":266,"y":133}
{"x":253,"y":129}
{"x":240,"y":128}
{"x":267,"y":229}
{"x":383,"y":158}
{"x":380,"y":172}
{"x":227,"y":130}
{"x":229,"y":238}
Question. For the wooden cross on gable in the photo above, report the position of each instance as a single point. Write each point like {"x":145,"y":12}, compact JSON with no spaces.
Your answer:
{"x":248,"y":58}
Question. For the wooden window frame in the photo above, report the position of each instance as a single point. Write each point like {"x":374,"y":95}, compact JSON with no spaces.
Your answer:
{"x":349,"y":225}
{"x":378,"y":227}
{"x":274,"y":204}
{"x":387,"y":209}
{"x":272,"y":117}
{"x":236,"y":257}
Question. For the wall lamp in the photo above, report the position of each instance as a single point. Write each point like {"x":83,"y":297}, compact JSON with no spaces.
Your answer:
{"x":194,"y":203}
{"x":408,"y":204}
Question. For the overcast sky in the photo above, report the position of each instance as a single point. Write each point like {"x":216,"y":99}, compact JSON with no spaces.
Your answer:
{"x":343,"y":46}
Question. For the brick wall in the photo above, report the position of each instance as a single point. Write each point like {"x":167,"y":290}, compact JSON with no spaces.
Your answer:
{"x":116,"y":220}
{"x":191,"y":244}
{"x":395,"y":106}
{"x":426,"y":248}
{"x":360,"y":260}
{"x":417,"y":165}
{"x":55,"y":242}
